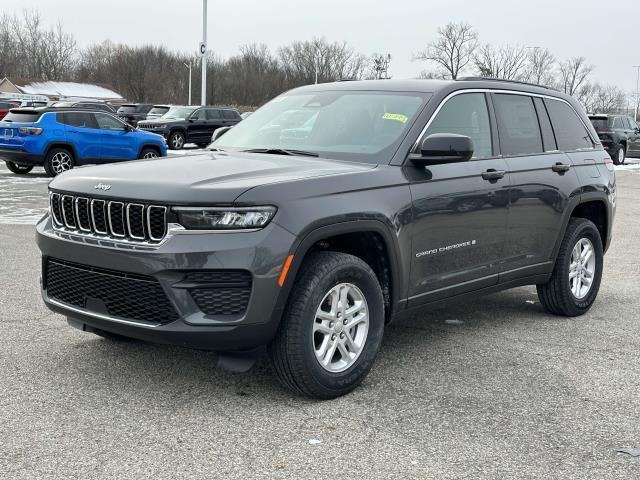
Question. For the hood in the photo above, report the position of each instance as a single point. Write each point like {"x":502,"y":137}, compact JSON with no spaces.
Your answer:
{"x":207,"y":178}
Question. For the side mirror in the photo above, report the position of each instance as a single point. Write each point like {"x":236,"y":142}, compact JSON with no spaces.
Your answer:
{"x":444,"y":148}
{"x":218,"y":132}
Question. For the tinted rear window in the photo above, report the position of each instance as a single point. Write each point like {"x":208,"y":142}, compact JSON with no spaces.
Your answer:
{"x":159,"y":110}
{"x":22,"y":117}
{"x":78,"y":119}
{"x":229,"y":114}
{"x":601,"y":122}
{"x":571,"y":134}
{"x":127,"y":109}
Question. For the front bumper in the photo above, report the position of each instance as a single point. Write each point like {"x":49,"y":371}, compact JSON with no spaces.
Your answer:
{"x":21,"y":157}
{"x":262,"y":253}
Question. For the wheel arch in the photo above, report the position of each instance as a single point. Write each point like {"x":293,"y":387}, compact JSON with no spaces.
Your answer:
{"x":592,"y":207}
{"x":151,"y":146}
{"x":382,"y":255}
{"x":61,"y":144}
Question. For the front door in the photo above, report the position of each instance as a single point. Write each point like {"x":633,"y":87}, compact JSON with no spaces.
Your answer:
{"x":459,"y":209}
{"x":118,"y":143}
{"x":82,"y":132}
{"x":197,"y":127}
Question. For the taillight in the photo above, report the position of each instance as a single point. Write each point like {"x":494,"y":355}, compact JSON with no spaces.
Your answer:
{"x":609,"y":164}
{"x":30,"y":130}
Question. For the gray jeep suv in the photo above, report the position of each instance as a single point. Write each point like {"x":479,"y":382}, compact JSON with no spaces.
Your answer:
{"x":309,"y":236}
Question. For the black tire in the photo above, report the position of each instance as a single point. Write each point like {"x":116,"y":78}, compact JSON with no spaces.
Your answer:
{"x":292,"y":352}
{"x":617,"y":160}
{"x":176,"y":140}
{"x":149,"y":153}
{"x":18,"y":169}
{"x":556,"y":295}
{"x":50,"y":165}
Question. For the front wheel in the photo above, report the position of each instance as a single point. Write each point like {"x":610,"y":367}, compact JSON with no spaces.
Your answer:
{"x":620,"y":156}
{"x":148,"y":153}
{"x":575,"y":280}
{"x":18,"y":169}
{"x":176,"y":140}
{"x":332,"y":327}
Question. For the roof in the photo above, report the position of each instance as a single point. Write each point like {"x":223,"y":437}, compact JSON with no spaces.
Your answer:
{"x":68,"y":89}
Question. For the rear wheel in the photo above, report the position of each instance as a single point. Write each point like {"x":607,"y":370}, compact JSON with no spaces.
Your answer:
{"x":176,"y":140}
{"x":58,"y":160}
{"x":148,"y":153}
{"x":575,"y":280}
{"x":332,"y":327}
{"x":18,"y":169}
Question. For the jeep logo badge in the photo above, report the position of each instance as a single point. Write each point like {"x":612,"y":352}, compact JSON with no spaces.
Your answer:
{"x":102,"y":186}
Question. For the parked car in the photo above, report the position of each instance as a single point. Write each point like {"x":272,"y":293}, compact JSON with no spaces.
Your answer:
{"x":157,"y":111}
{"x":619,"y":134}
{"x":61,"y":138}
{"x":182,"y":125}
{"x":103,"y":107}
{"x":133,"y":113}
{"x":5,"y":107}
{"x":312,"y":247}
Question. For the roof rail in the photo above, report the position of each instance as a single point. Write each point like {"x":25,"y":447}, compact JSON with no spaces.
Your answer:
{"x":493,"y":79}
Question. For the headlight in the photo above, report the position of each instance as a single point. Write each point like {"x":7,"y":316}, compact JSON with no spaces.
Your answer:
{"x":193,"y":218}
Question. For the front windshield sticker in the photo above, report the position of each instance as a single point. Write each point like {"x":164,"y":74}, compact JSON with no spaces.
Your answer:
{"x":396,"y":116}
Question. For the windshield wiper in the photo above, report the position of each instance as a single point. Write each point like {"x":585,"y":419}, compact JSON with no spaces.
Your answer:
{"x":282,"y":151}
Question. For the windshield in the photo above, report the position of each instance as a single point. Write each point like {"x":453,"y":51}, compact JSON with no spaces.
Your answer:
{"x":180,"y":113}
{"x":347,"y":125}
{"x":158,"y":110}
{"x":601,"y":122}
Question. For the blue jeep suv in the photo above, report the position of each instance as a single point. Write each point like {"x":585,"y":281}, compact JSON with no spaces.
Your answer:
{"x":58,"y":139}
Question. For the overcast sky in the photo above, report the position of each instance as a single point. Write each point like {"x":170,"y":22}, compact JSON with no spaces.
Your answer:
{"x":400,"y":27}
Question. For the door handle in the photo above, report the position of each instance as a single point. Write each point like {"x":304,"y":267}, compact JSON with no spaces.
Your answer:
{"x":493,"y":175}
{"x":560,"y":167}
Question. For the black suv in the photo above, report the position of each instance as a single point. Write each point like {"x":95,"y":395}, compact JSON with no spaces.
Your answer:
{"x":182,"y":125}
{"x":619,"y":134}
{"x":133,"y":113}
{"x":309,"y":238}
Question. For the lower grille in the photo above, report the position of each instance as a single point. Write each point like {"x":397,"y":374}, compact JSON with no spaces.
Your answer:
{"x":221,"y":292}
{"x":119,"y":294}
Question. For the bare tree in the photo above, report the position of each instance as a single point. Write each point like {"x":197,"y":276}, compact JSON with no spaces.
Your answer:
{"x":573,"y":74}
{"x":379,"y":65}
{"x":540,"y":66}
{"x":597,"y":98}
{"x":453,"y":49}
{"x":507,"y":62}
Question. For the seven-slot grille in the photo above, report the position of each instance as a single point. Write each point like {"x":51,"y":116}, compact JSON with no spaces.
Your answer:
{"x":109,"y":218}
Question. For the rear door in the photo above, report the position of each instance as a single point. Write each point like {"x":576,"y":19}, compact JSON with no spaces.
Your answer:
{"x":459,"y":209}
{"x":82,"y":132}
{"x":542,"y":179}
{"x":215,"y":119}
{"x":118,"y":143}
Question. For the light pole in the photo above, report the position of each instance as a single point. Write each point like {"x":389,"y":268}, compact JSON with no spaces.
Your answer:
{"x":203,"y":52}
{"x":637,"y":67}
{"x":188,"y":65}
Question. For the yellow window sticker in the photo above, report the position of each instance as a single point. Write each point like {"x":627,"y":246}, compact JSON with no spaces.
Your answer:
{"x":396,"y":116}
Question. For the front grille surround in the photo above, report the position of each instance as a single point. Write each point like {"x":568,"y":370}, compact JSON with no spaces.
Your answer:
{"x":112,"y":219}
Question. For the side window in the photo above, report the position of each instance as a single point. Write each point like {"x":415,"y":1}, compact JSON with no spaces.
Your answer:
{"x":518,"y":125}
{"x":571,"y":133}
{"x":617,"y":122}
{"x":466,"y":114}
{"x":229,"y":114}
{"x":213,"y":114}
{"x":107,"y":122}
{"x":630,"y":123}
{"x":199,"y":115}
{"x":79,"y":119}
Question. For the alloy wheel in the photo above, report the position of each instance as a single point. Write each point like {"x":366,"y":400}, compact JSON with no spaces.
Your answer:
{"x":150,"y":154}
{"x":61,"y":162}
{"x":582,"y":268}
{"x":177,"y":141}
{"x":340,"y":327}
{"x":621,"y":153}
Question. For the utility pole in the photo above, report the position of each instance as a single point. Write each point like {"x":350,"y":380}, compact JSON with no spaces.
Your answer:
{"x":637,"y":67}
{"x":317,"y":66}
{"x":188,"y":65}
{"x":203,"y":52}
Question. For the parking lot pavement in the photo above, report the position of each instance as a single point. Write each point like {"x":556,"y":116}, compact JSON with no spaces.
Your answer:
{"x":493,"y":388}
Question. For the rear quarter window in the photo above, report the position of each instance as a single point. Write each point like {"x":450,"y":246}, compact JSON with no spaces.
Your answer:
{"x":570,"y":132}
{"x":229,"y":115}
